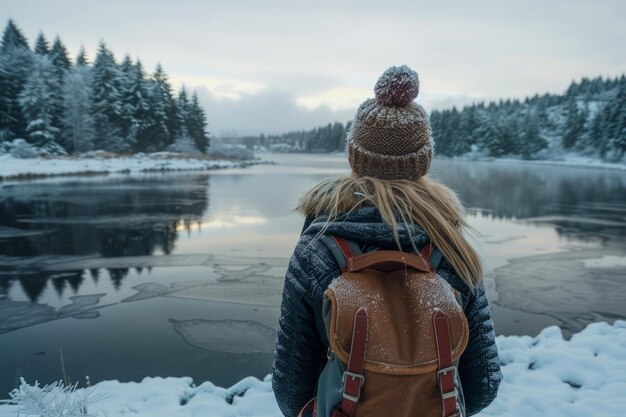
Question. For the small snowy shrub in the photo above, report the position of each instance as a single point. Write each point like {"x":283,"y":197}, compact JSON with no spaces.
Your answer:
{"x":51,"y":149}
{"x":19,"y":148}
{"x":183,"y":145}
{"x":476,"y":153}
{"x":54,"y":400}
{"x":230,"y":152}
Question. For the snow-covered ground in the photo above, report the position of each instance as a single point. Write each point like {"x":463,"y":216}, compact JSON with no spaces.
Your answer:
{"x":11,"y":167}
{"x":543,"y":376}
{"x":567,"y":160}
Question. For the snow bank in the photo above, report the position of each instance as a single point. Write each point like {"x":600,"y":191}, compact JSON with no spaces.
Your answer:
{"x":11,"y":167}
{"x":566,"y":160}
{"x":543,"y":376}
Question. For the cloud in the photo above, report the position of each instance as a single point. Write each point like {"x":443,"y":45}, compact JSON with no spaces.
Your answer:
{"x":269,"y":111}
{"x":339,"y":98}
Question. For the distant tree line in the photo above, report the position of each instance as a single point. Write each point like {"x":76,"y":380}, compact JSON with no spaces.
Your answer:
{"x":590,"y":118}
{"x":328,"y":138}
{"x":55,"y":103}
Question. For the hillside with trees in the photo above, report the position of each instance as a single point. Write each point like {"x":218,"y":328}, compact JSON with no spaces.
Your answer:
{"x":588,"y":120}
{"x":64,"y":105}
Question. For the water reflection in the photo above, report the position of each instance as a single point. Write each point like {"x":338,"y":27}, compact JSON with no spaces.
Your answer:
{"x":583,"y":204}
{"x":124,"y":217}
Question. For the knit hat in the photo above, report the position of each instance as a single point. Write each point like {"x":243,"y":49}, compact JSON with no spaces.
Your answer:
{"x":390,"y":136}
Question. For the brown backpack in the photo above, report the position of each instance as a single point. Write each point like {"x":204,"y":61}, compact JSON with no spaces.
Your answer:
{"x":396,"y":331}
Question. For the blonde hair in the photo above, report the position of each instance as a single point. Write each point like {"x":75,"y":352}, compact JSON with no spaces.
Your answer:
{"x":431,"y":205}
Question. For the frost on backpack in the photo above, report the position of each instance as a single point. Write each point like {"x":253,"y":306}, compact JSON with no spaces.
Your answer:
{"x":396,"y":331}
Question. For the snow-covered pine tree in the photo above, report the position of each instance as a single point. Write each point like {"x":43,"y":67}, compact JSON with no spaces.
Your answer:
{"x":7,"y":103}
{"x":41,"y":45}
{"x":81,"y":57}
{"x":106,"y":102}
{"x":129,"y":125}
{"x":78,"y":134}
{"x":60,"y":60}
{"x":197,"y":124}
{"x":339,"y":135}
{"x":37,"y":105}
{"x":575,"y":124}
{"x":184,"y":142}
{"x":182,"y":107}
{"x":16,"y":61}
{"x":163,"y":100}
{"x":60,"y":57}
{"x":136,"y":102}
{"x":12,"y":38}
{"x":530,"y":140}
{"x":616,"y":123}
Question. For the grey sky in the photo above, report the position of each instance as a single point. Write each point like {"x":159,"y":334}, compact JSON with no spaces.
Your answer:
{"x":270,"y":66}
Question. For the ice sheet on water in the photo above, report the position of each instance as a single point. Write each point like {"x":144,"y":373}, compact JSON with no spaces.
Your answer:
{"x":147,"y":290}
{"x":560,"y":285}
{"x":11,"y":232}
{"x":64,"y":263}
{"x":232,"y":336}
{"x":135,"y":220}
{"x":19,"y":314}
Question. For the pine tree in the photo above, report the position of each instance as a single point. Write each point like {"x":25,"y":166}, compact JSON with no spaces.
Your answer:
{"x":41,"y":45}
{"x":60,"y":57}
{"x":7,"y":103}
{"x":81,"y":58}
{"x":597,"y":139}
{"x":78,"y":124}
{"x":164,"y":99}
{"x":106,"y":102}
{"x":137,"y":111}
{"x":575,"y":125}
{"x":197,"y":124}
{"x":16,"y":61}
{"x":12,"y":38}
{"x":182,"y":116}
{"x":36,"y":102}
{"x":531,"y":141}
{"x":616,"y":123}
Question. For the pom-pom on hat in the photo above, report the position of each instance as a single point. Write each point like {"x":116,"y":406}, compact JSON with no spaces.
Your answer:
{"x":390,"y":136}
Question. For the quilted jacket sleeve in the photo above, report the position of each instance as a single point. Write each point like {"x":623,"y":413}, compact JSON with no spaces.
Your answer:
{"x":479,"y":367}
{"x":299,"y":350}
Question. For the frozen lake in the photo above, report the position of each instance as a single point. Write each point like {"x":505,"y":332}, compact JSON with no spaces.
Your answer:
{"x":180,"y":274}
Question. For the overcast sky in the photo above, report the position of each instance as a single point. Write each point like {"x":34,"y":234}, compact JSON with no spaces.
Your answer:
{"x":272,"y":66}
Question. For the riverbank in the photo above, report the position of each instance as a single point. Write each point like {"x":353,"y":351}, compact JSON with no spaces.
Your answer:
{"x":41,"y":167}
{"x":543,"y":376}
{"x":568,"y":161}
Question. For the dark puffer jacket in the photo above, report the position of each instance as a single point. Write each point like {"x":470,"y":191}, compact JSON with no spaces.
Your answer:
{"x":302,"y":342}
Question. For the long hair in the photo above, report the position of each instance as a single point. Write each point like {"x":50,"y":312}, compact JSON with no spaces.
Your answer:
{"x":425,"y":202}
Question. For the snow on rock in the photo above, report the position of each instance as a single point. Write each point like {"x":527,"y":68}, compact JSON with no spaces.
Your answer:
{"x":543,"y":376}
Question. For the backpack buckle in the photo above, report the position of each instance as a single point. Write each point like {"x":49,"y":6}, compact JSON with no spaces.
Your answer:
{"x":446,"y":371}
{"x":354,"y":377}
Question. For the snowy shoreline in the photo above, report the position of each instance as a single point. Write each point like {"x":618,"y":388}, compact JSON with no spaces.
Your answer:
{"x":24,"y":169}
{"x":544,"y":375}
{"x":574,"y":162}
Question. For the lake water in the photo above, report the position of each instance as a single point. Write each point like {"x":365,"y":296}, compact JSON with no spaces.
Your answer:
{"x":180,"y":274}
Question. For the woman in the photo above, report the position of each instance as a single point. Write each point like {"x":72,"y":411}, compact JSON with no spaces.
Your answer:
{"x":386,"y":203}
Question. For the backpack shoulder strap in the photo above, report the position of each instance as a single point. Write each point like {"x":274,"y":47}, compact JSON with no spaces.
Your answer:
{"x":342,"y":249}
{"x":432,"y":254}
